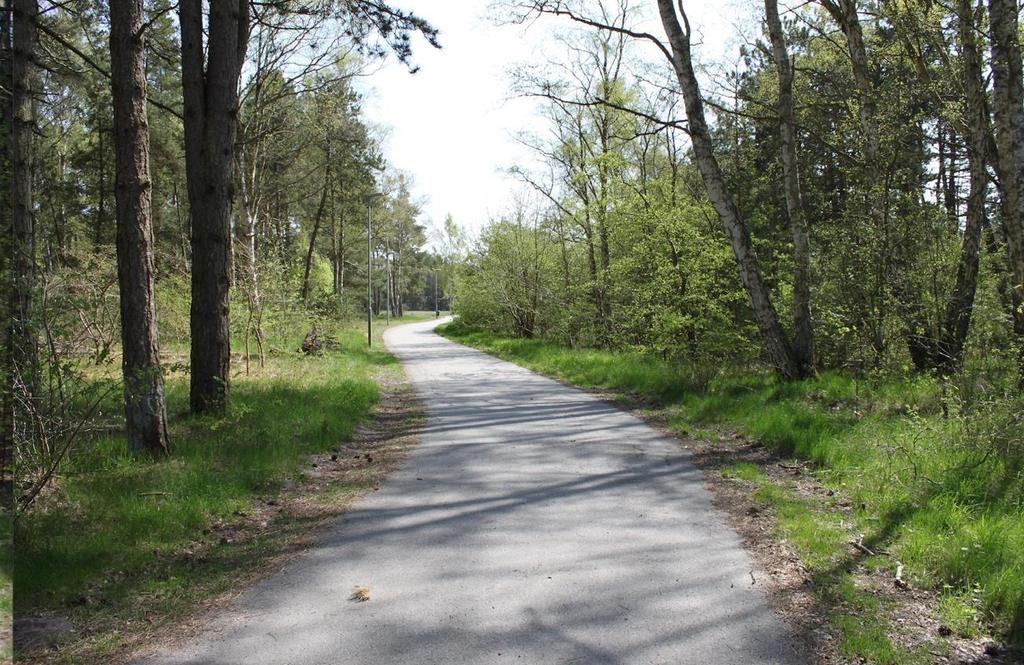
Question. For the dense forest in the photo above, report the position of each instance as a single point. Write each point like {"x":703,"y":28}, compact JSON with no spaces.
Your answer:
{"x":859,"y":160}
{"x":822,"y":243}
{"x":156,"y":151}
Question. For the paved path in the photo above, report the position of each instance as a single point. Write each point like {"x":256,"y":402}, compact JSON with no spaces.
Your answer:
{"x":533,"y":524}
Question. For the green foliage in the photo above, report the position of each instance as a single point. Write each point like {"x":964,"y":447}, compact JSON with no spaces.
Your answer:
{"x":648,"y":300}
{"x":626,"y":243}
{"x":509,"y":287}
{"x":630,"y":373}
{"x":615,"y":276}
{"x":959,"y":612}
{"x":173,"y":298}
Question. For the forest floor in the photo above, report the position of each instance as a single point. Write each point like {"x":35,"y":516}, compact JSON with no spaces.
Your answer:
{"x":861,"y":575}
{"x":122,"y":554}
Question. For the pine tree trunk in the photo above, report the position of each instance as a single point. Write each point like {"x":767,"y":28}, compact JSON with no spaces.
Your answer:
{"x":334,"y":246}
{"x":210,"y":94}
{"x":1008,"y":97}
{"x":6,"y":373}
{"x":774,"y":337}
{"x":145,"y":412}
{"x":803,"y":330}
{"x":949,"y":185}
{"x":24,"y":346}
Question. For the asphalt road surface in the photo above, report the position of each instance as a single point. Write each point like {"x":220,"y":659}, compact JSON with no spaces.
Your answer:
{"x":533,"y":524}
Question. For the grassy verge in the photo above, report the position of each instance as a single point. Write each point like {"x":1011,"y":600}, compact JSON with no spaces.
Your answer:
{"x":935,"y":483}
{"x":121,"y":544}
{"x":853,"y":588}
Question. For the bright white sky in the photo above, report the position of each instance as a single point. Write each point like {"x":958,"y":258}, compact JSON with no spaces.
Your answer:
{"x":452,"y":124}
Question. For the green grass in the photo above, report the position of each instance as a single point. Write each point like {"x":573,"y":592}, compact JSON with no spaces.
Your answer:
{"x":945,"y":495}
{"x":744,"y":471}
{"x":865,"y":634}
{"x":629,"y":372}
{"x":819,"y":536}
{"x":958,"y":611}
{"x":109,"y":538}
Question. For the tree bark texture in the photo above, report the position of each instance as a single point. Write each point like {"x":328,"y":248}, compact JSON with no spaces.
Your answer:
{"x":6,"y":373}
{"x":145,"y":410}
{"x":24,"y":344}
{"x":210,"y":94}
{"x":1008,"y":97}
